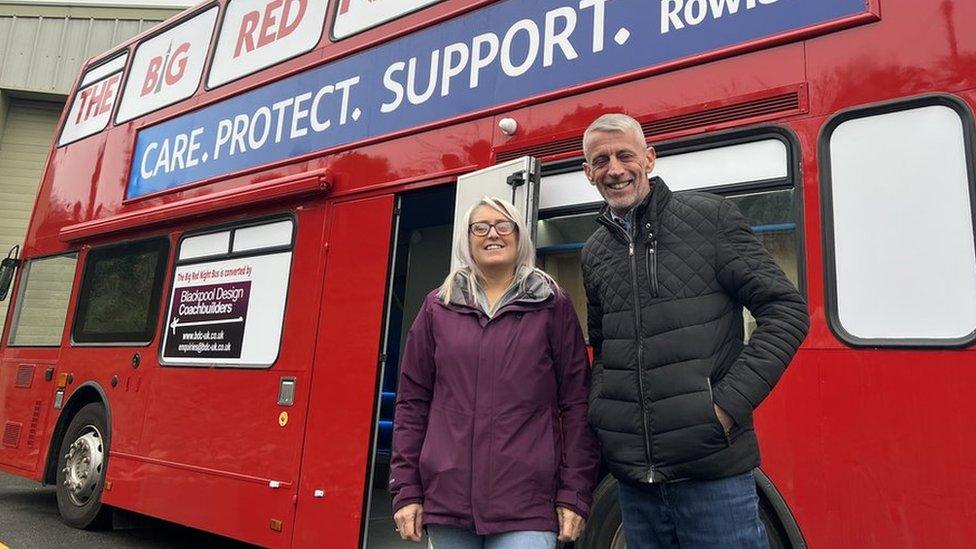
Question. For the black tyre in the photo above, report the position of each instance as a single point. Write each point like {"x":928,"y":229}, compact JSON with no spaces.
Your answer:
{"x":604,"y":530}
{"x":774,"y":532}
{"x":82,"y":462}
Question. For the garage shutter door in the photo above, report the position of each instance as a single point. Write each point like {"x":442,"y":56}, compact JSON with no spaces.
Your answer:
{"x":24,"y":146}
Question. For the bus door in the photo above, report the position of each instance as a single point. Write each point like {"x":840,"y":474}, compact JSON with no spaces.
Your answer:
{"x":347,"y":352}
{"x":225,"y":421}
{"x":28,"y":371}
{"x":420,"y":260}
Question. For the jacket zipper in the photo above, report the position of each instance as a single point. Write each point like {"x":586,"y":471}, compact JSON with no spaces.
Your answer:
{"x":640,"y":362}
{"x":650,"y":262}
{"x":640,"y":347}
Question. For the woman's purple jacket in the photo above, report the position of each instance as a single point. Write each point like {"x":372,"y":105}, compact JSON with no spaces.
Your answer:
{"x":490,"y":432}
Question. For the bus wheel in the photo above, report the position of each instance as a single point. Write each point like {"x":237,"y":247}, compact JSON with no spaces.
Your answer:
{"x":604,"y":530}
{"x":774,"y":532}
{"x":82,"y":461}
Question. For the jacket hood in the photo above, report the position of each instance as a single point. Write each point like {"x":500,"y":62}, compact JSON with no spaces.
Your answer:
{"x":536,"y":288}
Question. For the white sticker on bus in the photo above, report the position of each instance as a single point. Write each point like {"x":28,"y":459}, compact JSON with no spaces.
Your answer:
{"x":91,"y":109}
{"x":167,"y":67}
{"x":227,"y":312}
{"x":259,"y":33}
{"x":357,"y":15}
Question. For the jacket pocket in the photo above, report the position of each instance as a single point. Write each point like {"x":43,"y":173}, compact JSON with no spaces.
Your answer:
{"x":445,"y":462}
{"x":522,"y":477}
{"x":688,"y":428}
{"x":711,"y":398}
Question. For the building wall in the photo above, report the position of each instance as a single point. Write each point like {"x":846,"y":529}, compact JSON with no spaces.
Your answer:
{"x":42,"y":48}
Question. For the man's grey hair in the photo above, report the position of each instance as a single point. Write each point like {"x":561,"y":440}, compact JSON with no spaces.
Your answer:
{"x":613,"y":122}
{"x":525,"y":255}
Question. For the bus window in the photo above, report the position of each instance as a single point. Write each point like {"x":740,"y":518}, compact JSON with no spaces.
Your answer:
{"x":756,"y":175}
{"x":355,"y":16}
{"x":43,"y":301}
{"x":167,"y":68}
{"x":119,"y":297}
{"x":898,"y":196}
{"x":558,"y":244}
{"x":772,"y":216}
{"x":257,"y":34}
{"x":93,"y":102}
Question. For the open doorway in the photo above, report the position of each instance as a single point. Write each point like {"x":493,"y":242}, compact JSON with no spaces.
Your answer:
{"x":421,"y":260}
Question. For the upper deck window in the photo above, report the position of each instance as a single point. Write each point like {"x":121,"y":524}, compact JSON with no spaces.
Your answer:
{"x":104,"y":69}
{"x":167,"y":67}
{"x":355,"y":16}
{"x":259,"y":33}
{"x":93,"y":102}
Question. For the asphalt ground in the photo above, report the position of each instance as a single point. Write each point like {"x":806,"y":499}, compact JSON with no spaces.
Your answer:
{"x":29,"y":519}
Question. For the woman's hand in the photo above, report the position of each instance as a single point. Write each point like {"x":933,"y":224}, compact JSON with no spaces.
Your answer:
{"x":410,"y":521}
{"x":570,"y":524}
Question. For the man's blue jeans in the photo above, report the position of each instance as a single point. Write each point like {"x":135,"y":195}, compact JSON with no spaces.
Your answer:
{"x":701,"y":514}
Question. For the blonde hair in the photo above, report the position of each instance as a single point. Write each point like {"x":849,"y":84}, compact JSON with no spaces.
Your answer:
{"x":614,"y":122}
{"x":525,"y":250}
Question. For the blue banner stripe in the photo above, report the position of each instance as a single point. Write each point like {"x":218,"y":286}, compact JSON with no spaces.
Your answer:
{"x":492,"y":56}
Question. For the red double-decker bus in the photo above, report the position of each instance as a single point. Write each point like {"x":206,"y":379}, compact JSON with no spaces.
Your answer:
{"x":244,"y":207}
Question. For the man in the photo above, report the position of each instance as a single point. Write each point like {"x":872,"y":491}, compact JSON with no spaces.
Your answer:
{"x":674,"y":386}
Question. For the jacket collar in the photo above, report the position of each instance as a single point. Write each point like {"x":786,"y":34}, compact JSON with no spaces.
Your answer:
{"x":535,"y":292}
{"x":648,"y":214}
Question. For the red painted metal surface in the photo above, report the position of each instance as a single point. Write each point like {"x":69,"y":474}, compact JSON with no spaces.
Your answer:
{"x":869,"y":447}
{"x":344,"y":384}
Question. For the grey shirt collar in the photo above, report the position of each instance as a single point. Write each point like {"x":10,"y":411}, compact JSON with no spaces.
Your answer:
{"x":627,"y":221}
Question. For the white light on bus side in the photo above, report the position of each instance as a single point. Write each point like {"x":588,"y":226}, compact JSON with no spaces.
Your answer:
{"x":508,"y":126}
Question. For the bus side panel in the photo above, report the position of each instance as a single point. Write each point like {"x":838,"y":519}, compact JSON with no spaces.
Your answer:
{"x":219,"y":453}
{"x":343,"y":391}
{"x":877,"y":62}
{"x":25,"y":402}
{"x":852,"y":482}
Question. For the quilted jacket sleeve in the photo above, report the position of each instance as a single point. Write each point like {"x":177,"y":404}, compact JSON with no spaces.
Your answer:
{"x":580,"y":463}
{"x":594,"y":320}
{"x":594,"y":310}
{"x":751,"y":277}
{"x":414,"y":393}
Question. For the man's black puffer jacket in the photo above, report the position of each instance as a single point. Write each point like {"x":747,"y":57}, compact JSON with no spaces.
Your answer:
{"x":665,"y":323}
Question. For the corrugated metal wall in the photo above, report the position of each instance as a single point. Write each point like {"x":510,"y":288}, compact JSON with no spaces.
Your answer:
{"x":42,"y":46}
{"x":44,"y":54}
{"x":23,"y":150}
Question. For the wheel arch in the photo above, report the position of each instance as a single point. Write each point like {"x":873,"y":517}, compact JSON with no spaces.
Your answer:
{"x":86,"y":393}
{"x":774,"y":501}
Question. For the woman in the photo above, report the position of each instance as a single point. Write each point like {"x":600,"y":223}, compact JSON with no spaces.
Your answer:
{"x":490,"y":442}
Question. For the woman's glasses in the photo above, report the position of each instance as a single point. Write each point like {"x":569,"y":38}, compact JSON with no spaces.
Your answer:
{"x":481,"y":228}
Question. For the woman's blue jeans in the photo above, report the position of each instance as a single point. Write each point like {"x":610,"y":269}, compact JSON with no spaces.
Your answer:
{"x":451,"y":537}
